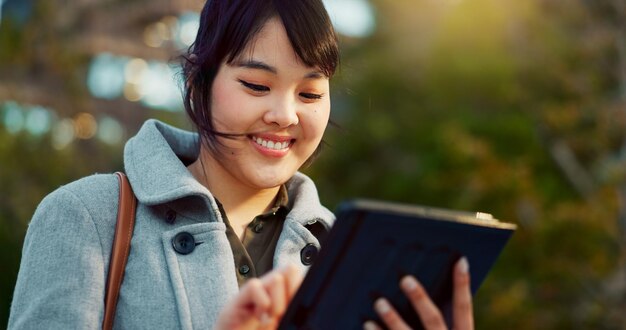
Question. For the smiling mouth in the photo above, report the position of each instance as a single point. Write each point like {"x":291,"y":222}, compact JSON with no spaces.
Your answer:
{"x":269,"y":144}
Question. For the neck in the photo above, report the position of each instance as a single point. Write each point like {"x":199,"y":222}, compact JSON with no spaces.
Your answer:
{"x":240,"y":202}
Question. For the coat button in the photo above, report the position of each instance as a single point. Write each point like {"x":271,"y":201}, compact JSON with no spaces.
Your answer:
{"x":170,"y":216}
{"x":258,"y":228}
{"x":244,"y":269}
{"x":308,"y":254}
{"x":183,"y":243}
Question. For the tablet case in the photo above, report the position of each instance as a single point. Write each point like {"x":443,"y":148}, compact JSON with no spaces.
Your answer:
{"x":374,"y":244}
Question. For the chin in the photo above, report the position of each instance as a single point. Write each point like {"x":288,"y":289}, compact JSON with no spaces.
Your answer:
{"x":266,"y":184}
{"x":271,"y":181}
{"x":266,"y":176}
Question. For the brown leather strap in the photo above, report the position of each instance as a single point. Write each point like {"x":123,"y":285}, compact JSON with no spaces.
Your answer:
{"x":120,"y":249}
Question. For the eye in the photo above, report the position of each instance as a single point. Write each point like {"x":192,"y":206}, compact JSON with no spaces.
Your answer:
{"x":254,"y":87}
{"x":311,"y":96}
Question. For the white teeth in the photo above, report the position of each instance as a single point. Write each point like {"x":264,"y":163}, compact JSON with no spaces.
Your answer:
{"x":271,"y":144}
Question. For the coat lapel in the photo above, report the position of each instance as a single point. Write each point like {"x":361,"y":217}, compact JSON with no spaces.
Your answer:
{"x":201,"y":279}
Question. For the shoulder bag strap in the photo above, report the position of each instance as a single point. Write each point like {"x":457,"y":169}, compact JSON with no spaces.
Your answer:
{"x":120,"y":250}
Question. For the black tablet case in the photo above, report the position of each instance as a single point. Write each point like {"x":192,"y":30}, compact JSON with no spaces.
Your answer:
{"x":373,"y":244}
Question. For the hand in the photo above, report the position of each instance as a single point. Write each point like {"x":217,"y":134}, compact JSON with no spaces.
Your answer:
{"x":261,"y":302}
{"x":430,"y":315}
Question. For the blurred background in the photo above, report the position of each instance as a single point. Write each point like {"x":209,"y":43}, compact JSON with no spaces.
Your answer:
{"x":515,"y":108}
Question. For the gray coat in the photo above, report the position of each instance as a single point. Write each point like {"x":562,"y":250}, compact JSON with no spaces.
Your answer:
{"x":67,"y":246}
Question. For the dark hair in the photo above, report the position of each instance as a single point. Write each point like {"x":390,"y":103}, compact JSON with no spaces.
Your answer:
{"x":226,"y":28}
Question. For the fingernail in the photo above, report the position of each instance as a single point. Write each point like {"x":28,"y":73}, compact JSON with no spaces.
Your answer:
{"x":463,"y":265}
{"x":408,"y":283}
{"x":382,"y":306}
{"x":369,"y":325}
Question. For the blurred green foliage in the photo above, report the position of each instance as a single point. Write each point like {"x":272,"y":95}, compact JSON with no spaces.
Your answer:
{"x":512,"y":108}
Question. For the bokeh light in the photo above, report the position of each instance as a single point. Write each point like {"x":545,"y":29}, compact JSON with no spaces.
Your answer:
{"x":134,"y":70}
{"x":189,"y":23}
{"x":85,"y":126}
{"x":38,"y":120}
{"x":13,"y":117}
{"x":352,"y":18}
{"x":132,"y":92}
{"x":110,"y":131}
{"x":106,"y":76}
{"x":62,"y":133}
{"x":153,"y":83}
{"x":159,"y":33}
{"x":158,"y":88}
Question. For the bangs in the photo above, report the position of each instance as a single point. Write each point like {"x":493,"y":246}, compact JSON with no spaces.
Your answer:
{"x":308,"y":27}
{"x":311,"y":33}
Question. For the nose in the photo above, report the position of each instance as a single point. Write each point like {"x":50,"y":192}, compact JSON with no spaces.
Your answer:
{"x":282,"y":113}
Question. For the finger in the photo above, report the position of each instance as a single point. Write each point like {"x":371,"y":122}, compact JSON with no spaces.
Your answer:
{"x":463,"y":318}
{"x":293,"y":277}
{"x":388,"y":314}
{"x":371,"y":325}
{"x":274,"y":284}
{"x":247,"y":309}
{"x":267,"y":322}
{"x":428,"y":312}
{"x":255,"y":298}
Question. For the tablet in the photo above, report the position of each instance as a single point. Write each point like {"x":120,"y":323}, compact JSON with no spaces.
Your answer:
{"x":373,"y":244}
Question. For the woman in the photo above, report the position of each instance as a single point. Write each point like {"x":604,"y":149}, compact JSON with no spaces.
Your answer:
{"x":257,"y":90}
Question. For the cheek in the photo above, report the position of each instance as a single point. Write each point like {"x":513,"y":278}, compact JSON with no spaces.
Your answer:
{"x":227,"y":108}
{"x":219,"y":97}
{"x":316,"y":121}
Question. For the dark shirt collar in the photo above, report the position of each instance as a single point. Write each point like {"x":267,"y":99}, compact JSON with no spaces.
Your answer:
{"x":282,"y":199}
{"x":281,"y":204}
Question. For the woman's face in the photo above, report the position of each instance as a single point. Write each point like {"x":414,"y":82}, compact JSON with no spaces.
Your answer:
{"x":281,"y":105}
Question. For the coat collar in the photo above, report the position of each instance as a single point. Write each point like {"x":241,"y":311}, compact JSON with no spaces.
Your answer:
{"x":157,"y":152}
{"x":306,"y":206}
{"x":161,"y":151}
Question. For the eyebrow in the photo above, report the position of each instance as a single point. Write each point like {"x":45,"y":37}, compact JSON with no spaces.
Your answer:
{"x":258,"y":65}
